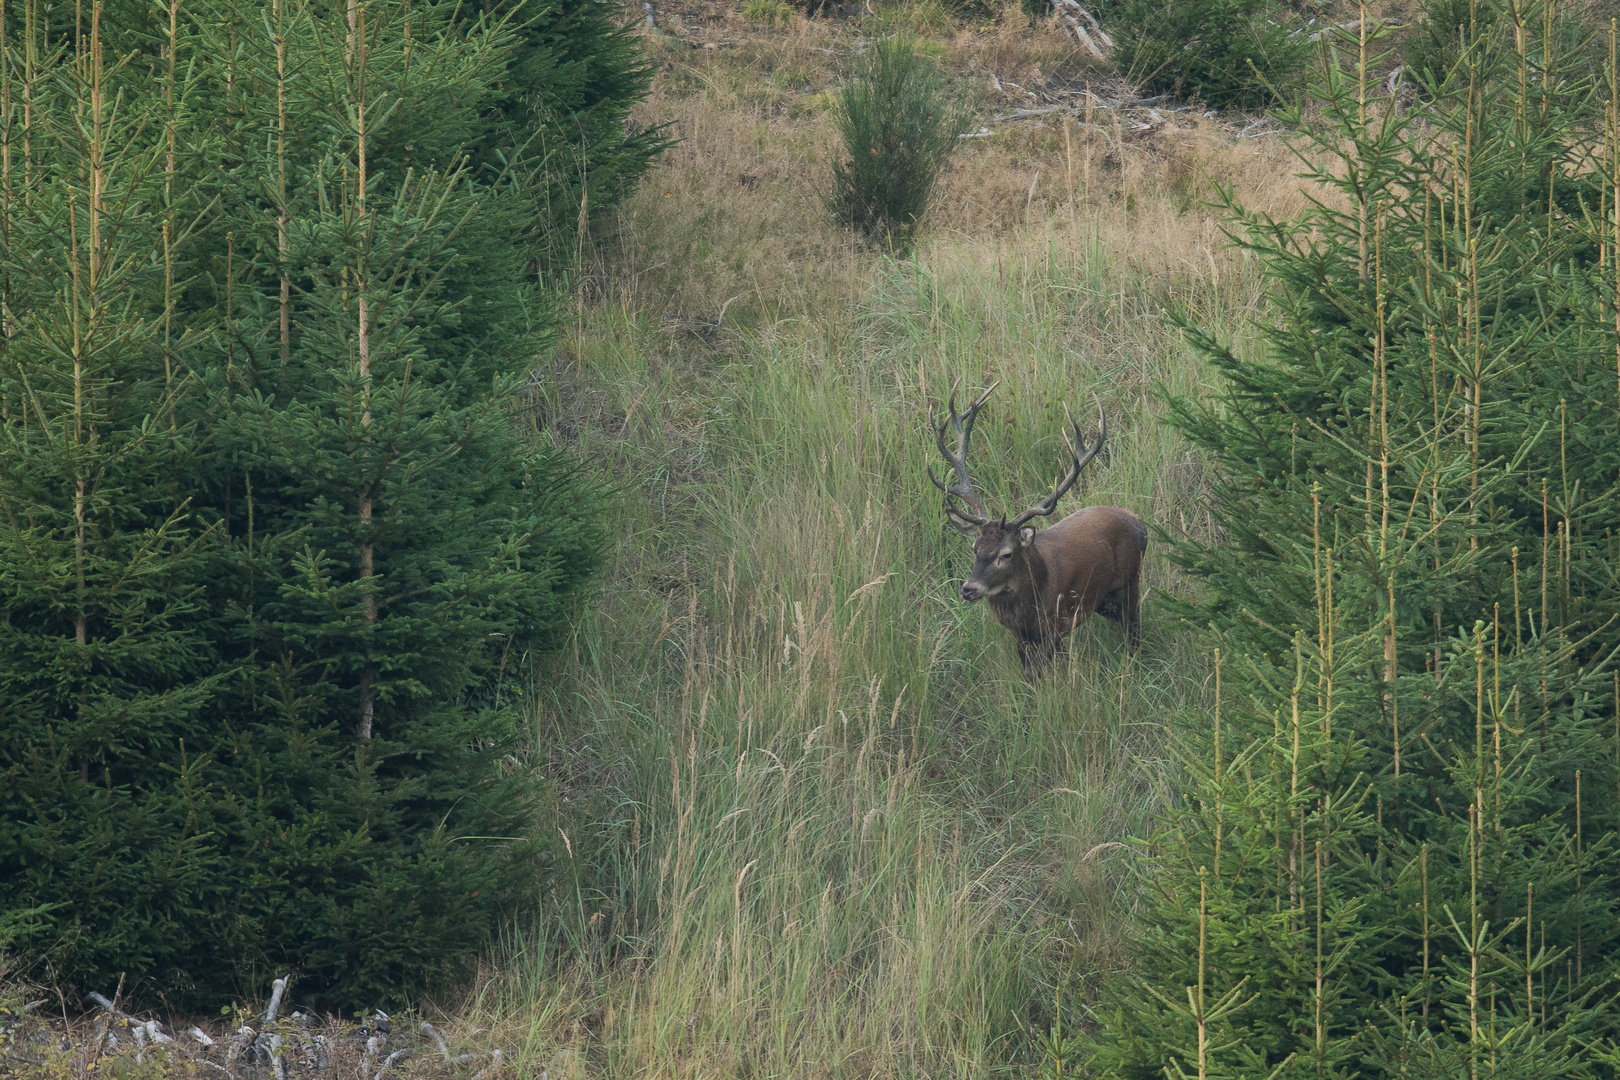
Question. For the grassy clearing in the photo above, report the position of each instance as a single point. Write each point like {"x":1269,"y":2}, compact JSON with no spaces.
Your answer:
{"x":818,"y":824}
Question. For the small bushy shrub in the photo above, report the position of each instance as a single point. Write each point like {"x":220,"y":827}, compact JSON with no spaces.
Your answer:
{"x":899,"y":123}
{"x":1229,"y":53}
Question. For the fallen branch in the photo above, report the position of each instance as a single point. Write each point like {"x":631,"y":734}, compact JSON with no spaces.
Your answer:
{"x":494,"y":1065}
{"x":277,"y":1044}
{"x":142,"y":1031}
{"x":1084,"y":26}
{"x":277,"y":988}
{"x":109,"y":1006}
{"x":1024,"y":114}
{"x":395,"y":1056}
{"x":433,"y":1032}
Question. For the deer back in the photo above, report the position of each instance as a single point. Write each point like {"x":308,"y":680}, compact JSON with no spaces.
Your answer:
{"x":1090,"y":554}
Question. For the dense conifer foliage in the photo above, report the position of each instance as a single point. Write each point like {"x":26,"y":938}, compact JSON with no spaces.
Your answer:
{"x":1229,"y":53}
{"x":277,"y":548}
{"x":1395,"y":847}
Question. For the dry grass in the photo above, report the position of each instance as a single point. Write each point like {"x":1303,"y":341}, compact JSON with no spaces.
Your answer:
{"x":734,"y":219}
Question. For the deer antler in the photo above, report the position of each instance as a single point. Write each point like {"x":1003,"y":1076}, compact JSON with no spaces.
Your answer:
{"x":1079,"y":462}
{"x":963,"y":488}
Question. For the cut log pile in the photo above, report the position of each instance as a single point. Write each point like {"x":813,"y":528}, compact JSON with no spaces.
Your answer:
{"x":1112,"y":106}
{"x":269,"y":1045}
{"x":1084,"y":26}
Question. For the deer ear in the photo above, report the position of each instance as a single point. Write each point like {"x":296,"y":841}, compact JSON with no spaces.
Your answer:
{"x":963,"y":525}
{"x":1026,"y":536}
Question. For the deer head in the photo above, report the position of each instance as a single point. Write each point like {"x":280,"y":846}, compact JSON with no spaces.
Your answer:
{"x":1001,"y":546}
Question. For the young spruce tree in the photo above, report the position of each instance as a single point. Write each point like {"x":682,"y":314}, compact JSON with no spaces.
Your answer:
{"x":1395,"y":850}
{"x":395,"y":546}
{"x":277,"y":542}
{"x":107,"y":667}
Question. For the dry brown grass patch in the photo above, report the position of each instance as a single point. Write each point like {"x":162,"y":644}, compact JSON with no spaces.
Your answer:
{"x":733,"y":218}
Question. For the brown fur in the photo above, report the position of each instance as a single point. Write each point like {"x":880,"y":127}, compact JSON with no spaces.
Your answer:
{"x":1049,"y":580}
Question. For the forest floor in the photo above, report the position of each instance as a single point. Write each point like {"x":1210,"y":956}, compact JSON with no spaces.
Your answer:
{"x":813,"y":821}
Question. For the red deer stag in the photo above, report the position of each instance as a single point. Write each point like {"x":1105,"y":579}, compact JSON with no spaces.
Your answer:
{"x":1040,"y":584}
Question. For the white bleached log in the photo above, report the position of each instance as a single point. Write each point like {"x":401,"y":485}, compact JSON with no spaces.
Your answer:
{"x":109,"y":1006}
{"x":239,"y":1043}
{"x":142,"y":1031}
{"x":389,"y":1060}
{"x":433,"y":1032}
{"x":277,"y":989}
{"x":1084,"y":26}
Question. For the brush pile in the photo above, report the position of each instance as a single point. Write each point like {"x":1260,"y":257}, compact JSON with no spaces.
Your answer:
{"x":268,"y":1044}
{"x":1114,"y":105}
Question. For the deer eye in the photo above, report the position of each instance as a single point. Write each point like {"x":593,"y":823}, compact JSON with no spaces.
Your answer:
{"x":1003,"y":556}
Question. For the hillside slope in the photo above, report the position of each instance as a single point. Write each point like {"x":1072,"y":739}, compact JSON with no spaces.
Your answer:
{"x":819,"y":825}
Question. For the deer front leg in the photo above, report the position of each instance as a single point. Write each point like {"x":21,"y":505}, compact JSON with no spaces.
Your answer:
{"x":1025,"y":649}
{"x":1133,"y":614}
{"x":1036,"y":655}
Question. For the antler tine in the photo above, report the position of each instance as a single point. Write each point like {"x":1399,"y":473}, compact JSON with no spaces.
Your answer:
{"x":1080,"y":458}
{"x":963,"y":426}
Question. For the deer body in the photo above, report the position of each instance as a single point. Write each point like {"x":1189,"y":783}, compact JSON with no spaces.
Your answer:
{"x":1090,"y":562}
{"x":1040,"y":584}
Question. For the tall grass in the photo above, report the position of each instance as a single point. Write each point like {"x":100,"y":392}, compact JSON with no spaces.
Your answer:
{"x":817,"y":823}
